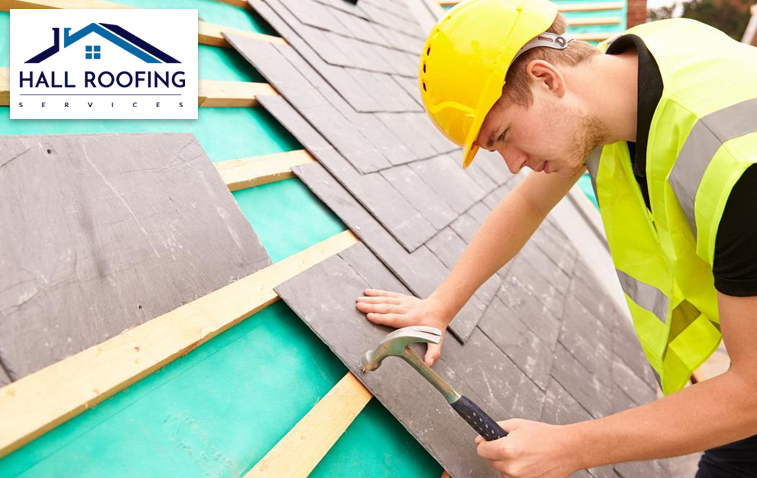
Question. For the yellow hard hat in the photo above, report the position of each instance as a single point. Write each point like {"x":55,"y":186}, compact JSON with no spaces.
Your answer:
{"x":466,"y":57}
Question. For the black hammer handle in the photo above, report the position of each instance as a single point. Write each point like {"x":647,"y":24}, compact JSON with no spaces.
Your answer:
{"x":478,"y":419}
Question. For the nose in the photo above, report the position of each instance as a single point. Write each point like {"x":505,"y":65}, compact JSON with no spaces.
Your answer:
{"x":514,"y":158}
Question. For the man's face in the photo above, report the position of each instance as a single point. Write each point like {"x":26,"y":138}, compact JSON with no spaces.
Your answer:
{"x":550,"y":135}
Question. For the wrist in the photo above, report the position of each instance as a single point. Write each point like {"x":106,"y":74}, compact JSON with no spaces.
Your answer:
{"x":577,"y":447}
{"x":442,"y":312}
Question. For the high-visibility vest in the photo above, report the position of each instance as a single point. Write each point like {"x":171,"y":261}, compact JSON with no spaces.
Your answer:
{"x":702,"y":138}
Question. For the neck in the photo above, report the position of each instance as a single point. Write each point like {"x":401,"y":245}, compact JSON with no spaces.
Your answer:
{"x":610,"y":92}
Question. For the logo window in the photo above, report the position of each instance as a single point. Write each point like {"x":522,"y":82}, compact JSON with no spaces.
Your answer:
{"x":91,"y":50}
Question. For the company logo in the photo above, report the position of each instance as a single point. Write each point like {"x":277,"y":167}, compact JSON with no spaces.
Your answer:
{"x":100,"y":64}
{"x":114,"y":34}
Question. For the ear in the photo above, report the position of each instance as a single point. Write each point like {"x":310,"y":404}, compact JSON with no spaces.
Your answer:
{"x":547,"y":76}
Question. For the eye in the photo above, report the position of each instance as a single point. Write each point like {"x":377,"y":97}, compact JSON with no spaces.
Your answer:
{"x":502,"y":136}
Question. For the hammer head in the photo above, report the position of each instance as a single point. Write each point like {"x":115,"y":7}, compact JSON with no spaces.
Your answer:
{"x":395,"y":343}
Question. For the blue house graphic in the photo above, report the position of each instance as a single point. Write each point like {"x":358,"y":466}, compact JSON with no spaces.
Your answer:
{"x":113,"y":33}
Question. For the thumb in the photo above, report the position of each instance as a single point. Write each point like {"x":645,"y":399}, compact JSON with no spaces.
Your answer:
{"x":432,"y":353}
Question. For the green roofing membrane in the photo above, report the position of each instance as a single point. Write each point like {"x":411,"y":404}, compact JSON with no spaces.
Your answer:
{"x":5,"y":39}
{"x":224,"y":133}
{"x":219,"y":409}
{"x":212,"y":11}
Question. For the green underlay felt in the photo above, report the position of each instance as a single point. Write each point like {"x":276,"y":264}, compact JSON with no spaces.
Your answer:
{"x":211,"y":11}
{"x":5,"y":35}
{"x":224,"y":133}
{"x":287,"y":217}
{"x":216,"y":63}
{"x":214,"y":412}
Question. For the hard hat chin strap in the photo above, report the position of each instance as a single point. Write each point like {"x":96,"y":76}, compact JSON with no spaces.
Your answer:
{"x":549,"y":40}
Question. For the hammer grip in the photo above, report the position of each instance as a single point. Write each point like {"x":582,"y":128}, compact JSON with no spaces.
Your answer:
{"x":478,"y":419}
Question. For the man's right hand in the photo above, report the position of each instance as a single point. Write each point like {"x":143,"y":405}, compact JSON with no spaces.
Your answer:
{"x":399,"y":310}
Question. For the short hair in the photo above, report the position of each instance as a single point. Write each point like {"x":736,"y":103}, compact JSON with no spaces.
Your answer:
{"x":517,"y":88}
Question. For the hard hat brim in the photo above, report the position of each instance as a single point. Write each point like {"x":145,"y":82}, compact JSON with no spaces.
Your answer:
{"x":492,"y":92}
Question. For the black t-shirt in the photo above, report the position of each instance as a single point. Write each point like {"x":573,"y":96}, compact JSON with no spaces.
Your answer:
{"x":735,"y":264}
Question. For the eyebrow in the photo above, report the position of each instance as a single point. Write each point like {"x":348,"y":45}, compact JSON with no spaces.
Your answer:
{"x":490,"y":141}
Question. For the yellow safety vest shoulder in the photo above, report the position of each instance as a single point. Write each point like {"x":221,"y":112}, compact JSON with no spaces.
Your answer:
{"x":702,"y":138}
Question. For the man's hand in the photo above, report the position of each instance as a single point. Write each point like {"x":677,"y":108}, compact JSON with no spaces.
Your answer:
{"x":400,"y":310}
{"x":531,"y":450}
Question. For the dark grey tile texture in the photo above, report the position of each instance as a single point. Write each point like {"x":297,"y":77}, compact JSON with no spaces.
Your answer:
{"x":104,"y":232}
{"x":421,"y":271}
{"x":324,"y":297}
{"x":384,"y":201}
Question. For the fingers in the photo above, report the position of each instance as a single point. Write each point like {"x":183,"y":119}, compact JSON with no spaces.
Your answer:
{"x":380,"y":293}
{"x":379,"y":300}
{"x":380,"y":308}
{"x":432,"y":353}
{"x":392,"y":320}
{"x":491,"y":450}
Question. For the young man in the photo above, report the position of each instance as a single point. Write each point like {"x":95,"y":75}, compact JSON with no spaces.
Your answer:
{"x":665,"y":119}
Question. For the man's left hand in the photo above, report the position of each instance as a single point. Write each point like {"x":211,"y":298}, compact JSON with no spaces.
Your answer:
{"x":531,"y":450}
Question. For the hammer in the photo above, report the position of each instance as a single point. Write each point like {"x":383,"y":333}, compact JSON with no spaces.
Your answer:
{"x":398,"y":344}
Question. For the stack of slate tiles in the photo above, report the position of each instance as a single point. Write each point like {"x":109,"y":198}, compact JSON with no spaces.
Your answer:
{"x":104,"y":232}
{"x":537,"y":341}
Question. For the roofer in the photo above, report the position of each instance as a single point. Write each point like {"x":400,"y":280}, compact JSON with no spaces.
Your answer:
{"x":664,"y":117}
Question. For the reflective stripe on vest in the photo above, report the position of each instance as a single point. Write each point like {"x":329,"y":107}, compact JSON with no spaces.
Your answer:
{"x":703,"y":142}
{"x":645,"y":295}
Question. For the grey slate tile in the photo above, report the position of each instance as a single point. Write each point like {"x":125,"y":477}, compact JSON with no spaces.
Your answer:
{"x":457,"y":189}
{"x":626,"y":346}
{"x":488,"y":371}
{"x":290,"y":83}
{"x":409,"y":84}
{"x":324,"y":297}
{"x":533,"y":311}
{"x":620,"y":400}
{"x":585,"y":289}
{"x":464,"y":323}
{"x":529,"y":277}
{"x":465,"y":226}
{"x":588,"y":391}
{"x":87,"y":219}
{"x":421,"y":273}
{"x":630,"y":383}
{"x":493,"y":199}
{"x":639,"y":469}
{"x":560,"y":408}
{"x":587,"y":339}
{"x":373,"y":191}
{"x":340,"y":5}
{"x":546,"y":267}
{"x":393,"y":22}
{"x":380,"y":277}
{"x":4,"y":378}
{"x":493,"y":165}
{"x":403,"y":127}
{"x":447,"y":246}
{"x":420,"y":195}
{"x":502,"y":326}
{"x":479,"y":175}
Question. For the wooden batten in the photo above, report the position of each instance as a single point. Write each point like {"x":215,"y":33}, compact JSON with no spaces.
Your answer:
{"x":214,"y":93}
{"x":298,"y":453}
{"x":43,"y":400}
{"x":211,"y":34}
{"x":5,"y":87}
{"x":250,"y":172}
{"x":592,"y":36}
{"x":236,"y":3}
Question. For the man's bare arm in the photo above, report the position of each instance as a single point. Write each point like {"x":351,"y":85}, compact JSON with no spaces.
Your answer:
{"x":501,"y":236}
